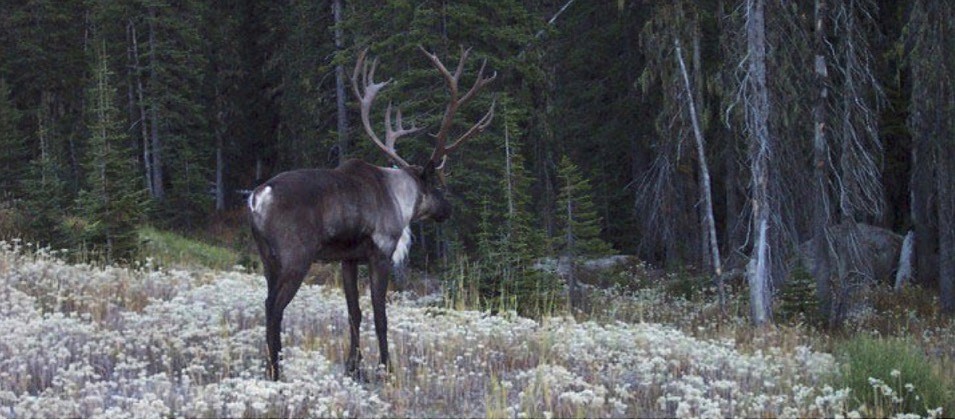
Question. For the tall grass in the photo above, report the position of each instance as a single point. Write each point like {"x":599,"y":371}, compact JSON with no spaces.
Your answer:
{"x":167,"y":248}
{"x":890,"y":376}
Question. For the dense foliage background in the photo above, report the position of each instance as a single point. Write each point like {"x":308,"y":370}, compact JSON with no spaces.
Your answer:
{"x":810,"y":115}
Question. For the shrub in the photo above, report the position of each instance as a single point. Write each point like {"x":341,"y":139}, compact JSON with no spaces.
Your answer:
{"x":797,"y":298}
{"x":892,"y":376}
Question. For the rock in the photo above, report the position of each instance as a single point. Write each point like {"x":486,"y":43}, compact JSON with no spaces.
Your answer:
{"x":594,"y":272}
{"x":859,"y":250}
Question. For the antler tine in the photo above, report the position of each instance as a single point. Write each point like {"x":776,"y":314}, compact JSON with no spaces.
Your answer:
{"x":479,"y":83}
{"x":451,"y":80}
{"x":464,"y":58}
{"x":441,"y":149}
{"x":365,"y":100}
{"x":394,"y":132}
{"x":477,"y":128}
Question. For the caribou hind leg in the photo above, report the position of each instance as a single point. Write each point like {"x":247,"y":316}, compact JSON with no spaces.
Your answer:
{"x":282,"y":288}
{"x":378,"y":268}
{"x":350,"y":286}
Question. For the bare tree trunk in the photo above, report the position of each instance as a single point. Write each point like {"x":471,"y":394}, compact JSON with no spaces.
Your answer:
{"x":923,"y":211}
{"x":147,"y":158}
{"x":508,"y":171}
{"x":821,"y":269}
{"x":905,"y":268}
{"x":946,"y":227}
{"x":340,"y":86}
{"x":707,"y":196}
{"x":158,"y":189}
{"x":130,"y":89}
{"x":757,"y":121}
{"x":569,"y":255}
{"x":220,"y":160}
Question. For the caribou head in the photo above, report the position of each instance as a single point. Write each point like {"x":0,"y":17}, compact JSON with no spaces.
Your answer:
{"x":357,"y":212}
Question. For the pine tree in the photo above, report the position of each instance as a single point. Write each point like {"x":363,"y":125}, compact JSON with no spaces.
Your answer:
{"x":112,"y":202}
{"x":578,"y":220}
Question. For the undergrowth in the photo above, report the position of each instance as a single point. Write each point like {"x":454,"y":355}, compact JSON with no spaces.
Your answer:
{"x":189,"y":343}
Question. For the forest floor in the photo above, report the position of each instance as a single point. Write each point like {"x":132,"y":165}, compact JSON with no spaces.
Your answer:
{"x":78,"y":340}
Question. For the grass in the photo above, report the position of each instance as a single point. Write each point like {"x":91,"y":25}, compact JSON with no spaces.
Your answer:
{"x":892,"y":375}
{"x":167,"y":248}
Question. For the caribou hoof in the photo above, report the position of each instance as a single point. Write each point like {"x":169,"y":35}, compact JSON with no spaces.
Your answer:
{"x":272,"y":372}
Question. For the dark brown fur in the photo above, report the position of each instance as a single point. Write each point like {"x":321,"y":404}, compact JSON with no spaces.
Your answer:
{"x":351,"y":214}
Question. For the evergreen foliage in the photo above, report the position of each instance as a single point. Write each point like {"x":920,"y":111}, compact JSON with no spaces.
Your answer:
{"x":15,"y":155}
{"x":44,"y":201}
{"x":212,"y":98}
{"x":111,"y":204}
{"x":578,"y":220}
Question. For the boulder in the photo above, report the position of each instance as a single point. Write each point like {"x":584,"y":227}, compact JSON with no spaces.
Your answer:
{"x":859,"y":251}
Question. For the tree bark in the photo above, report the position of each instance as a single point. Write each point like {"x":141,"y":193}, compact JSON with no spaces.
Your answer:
{"x":157,"y":166}
{"x":508,"y":171}
{"x":340,"y":85}
{"x":220,"y":130}
{"x":821,"y":269}
{"x":905,"y":269}
{"x":757,"y":119}
{"x":147,"y":158}
{"x":706,"y":192}
{"x":946,"y":227}
{"x":570,"y":254}
{"x":923,"y":212}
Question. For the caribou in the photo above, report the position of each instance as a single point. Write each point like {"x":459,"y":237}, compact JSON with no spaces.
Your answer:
{"x":357,"y":213}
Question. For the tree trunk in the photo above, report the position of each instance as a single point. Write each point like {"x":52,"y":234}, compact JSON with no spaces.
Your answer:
{"x":946,"y":227}
{"x":144,"y":130}
{"x":905,"y":268}
{"x":707,"y":196}
{"x":157,"y":166}
{"x":340,"y":85}
{"x":130,"y":88}
{"x":569,"y":254}
{"x":923,"y":212}
{"x":757,"y":121}
{"x":821,"y":269}
{"x":508,"y":172}
{"x":220,"y":166}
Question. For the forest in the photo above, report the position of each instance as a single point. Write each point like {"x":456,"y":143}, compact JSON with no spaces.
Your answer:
{"x":721,"y":137}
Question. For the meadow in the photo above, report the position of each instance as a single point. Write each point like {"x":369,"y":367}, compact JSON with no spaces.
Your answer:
{"x":81,"y":340}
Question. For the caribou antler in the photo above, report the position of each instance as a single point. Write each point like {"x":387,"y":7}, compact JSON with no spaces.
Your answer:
{"x":397,"y":130}
{"x":441,"y":149}
{"x":392,"y":132}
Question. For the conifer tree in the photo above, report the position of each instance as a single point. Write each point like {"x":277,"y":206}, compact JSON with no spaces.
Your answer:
{"x":578,"y":220}
{"x":43,"y":204}
{"x":45,"y":188}
{"x":15,"y":154}
{"x":111,"y":203}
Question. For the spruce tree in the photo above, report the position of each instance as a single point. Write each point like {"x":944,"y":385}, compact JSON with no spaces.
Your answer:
{"x":45,"y":187}
{"x":15,"y":155}
{"x":111,"y":203}
{"x":43,"y":204}
{"x":576,"y":216}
